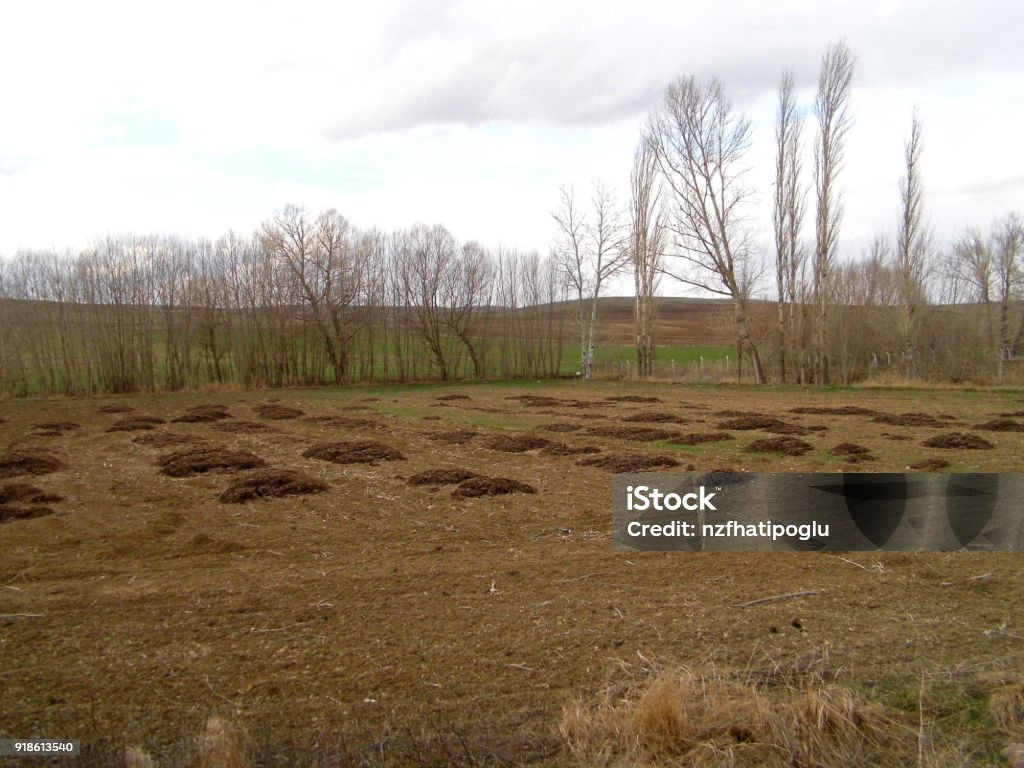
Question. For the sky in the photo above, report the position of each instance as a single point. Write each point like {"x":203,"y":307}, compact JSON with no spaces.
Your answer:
{"x":195,"y":118}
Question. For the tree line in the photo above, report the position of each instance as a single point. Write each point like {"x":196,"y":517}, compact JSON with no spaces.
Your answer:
{"x":305,"y":300}
{"x":905,"y":306}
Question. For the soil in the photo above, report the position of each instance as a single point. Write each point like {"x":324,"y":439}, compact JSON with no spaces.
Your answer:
{"x":273,"y":411}
{"x":55,"y":428}
{"x":790,"y":446}
{"x":561,"y":427}
{"x":910,"y":420}
{"x":23,"y":462}
{"x":452,"y":397}
{"x":639,"y":434}
{"x":839,"y":410}
{"x":136,"y":424}
{"x":454,"y":437}
{"x":203,"y":413}
{"x":962,"y":440}
{"x":618,"y":463}
{"x":490,"y":486}
{"x":114,"y":409}
{"x":634,"y":399}
{"x":343,"y":422}
{"x":655,"y":418}
{"x":930,"y":465}
{"x":896,"y":437}
{"x":243,"y":427}
{"x":850,"y":449}
{"x":696,"y":438}
{"x":516,"y":443}
{"x":9,"y":513}
{"x":271,"y":484}
{"x":161,"y":439}
{"x":1001,"y":425}
{"x":561,"y":449}
{"x":442,"y":477}
{"x":27,"y":494}
{"x":357,"y":452}
{"x":197,"y":461}
{"x":765,"y":424}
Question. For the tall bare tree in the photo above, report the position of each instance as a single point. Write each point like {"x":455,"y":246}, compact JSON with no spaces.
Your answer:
{"x":912,"y":245}
{"x":787,"y":219}
{"x":832,"y":108}
{"x":590,"y":253}
{"x":647,"y":242}
{"x":701,"y":147}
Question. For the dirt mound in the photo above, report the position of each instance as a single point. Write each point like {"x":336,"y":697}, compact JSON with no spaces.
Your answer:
{"x":634,"y":399}
{"x":25,"y":493}
{"x":442,"y":477}
{"x":765,"y":424}
{"x":343,"y":422}
{"x":841,"y":410}
{"x":161,"y":439}
{"x":543,"y":401}
{"x":199,"y":414}
{"x":618,"y":464}
{"x":452,"y":397}
{"x":114,"y":409}
{"x":1001,"y":425}
{"x":54,"y":428}
{"x":243,"y":427}
{"x":789,"y":446}
{"x":358,"y":452}
{"x":16,"y":463}
{"x":9,"y":513}
{"x":277,"y":412}
{"x":490,"y":486}
{"x":850,"y":449}
{"x":957,"y":440}
{"x":135,"y":423}
{"x":515,"y":443}
{"x":641,"y":434}
{"x":930,"y":465}
{"x":909,"y":420}
{"x":561,"y":449}
{"x":891,"y":436}
{"x":454,"y":437}
{"x":271,"y":484}
{"x":561,"y":427}
{"x":696,"y":438}
{"x":1012,"y":414}
{"x":196,"y":461}
{"x":652,"y":417}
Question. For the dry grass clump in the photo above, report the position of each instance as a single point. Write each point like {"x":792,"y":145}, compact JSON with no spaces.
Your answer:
{"x":135,"y":423}
{"x":357,"y":452}
{"x":275,"y":411}
{"x":220,"y":746}
{"x":640,"y":434}
{"x":20,"y":462}
{"x":696,"y":438}
{"x":515,"y":443}
{"x":271,"y":484}
{"x":963,"y":440}
{"x":1006,"y":706}
{"x":442,"y":477}
{"x":790,"y":446}
{"x":196,"y":461}
{"x":490,"y":486}
{"x":682,"y":718}
{"x":618,"y":463}
{"x":199,"y":414}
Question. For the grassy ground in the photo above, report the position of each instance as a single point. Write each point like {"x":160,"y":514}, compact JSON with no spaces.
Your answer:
{"x":384,"y":623}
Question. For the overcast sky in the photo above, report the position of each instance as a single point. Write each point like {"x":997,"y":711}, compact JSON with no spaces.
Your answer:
{"x":196,"y":118}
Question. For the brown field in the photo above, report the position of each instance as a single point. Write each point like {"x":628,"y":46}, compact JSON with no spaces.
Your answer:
{"x":403,"y":618}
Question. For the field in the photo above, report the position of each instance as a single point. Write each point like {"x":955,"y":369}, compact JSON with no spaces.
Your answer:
{"x":373,"y":620}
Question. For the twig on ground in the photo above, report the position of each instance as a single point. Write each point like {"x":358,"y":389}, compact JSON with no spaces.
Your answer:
{"x":979,"y":579}
{"x":778,"y":598}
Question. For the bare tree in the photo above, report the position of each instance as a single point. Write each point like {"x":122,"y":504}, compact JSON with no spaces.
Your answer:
{"x":701,"y":146}
{"x":787,"y":219}
{"x":590,"y":254}
{"x":647,"y":242}
{"x":1008,"y":248}
{"x":912,"y":245}
{"x":834,"y":121}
